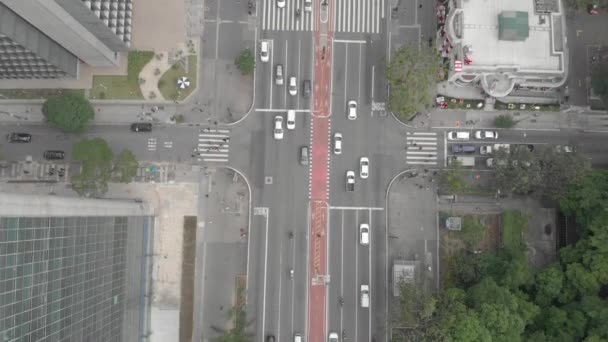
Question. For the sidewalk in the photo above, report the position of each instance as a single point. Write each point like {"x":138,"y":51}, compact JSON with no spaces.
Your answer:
{"x":574,"y":118}
{"x":18,"y":112}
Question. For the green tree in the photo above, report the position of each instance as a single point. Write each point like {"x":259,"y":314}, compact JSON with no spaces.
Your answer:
{"x":472,"y":231}
{"x":559,"y":170}
{"x":245,"y":62}
{"x":548,"y":285}
{"x":412,"y":75}
{"x":70,"y":112}
{"x":451,"y":181}
{"x":517,"y":171}
{"x":586,"y":197}
{"x":95,"y":157}
{"x":504,"y":121}
{"x":125,"y":166}
{"x":599,"y":81}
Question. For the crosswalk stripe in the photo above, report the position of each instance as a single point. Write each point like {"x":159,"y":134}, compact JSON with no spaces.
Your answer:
{"x":360,"y":16}
{"x":213,"y":145}
{"x":284,"y":19}
{"x":421,"y":148}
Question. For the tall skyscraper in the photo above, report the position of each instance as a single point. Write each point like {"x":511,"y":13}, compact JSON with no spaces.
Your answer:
{"x":44,"y":39}
{"x":73,"y":269}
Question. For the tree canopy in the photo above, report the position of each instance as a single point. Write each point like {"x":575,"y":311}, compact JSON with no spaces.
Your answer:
{"x":70,"y":112}
{"x":412,"y":76}
{"x":126,"y":166}
{"x":497,"y":297}
{"x":245,"y":62}
{"x":95,"y":157}
{"x":97,"y":167}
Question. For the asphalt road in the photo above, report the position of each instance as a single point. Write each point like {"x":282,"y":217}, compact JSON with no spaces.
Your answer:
{"x":163,"y":144}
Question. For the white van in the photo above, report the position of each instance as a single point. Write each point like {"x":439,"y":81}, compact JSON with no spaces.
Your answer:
{"x":462,"y":136}
{"x":365,"y":296}
{"x":291,"y":119}
{"x":264,"y":51}
{"x":297,"y":338}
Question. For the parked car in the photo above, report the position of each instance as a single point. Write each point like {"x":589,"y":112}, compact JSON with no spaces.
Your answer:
{"x":293,"y":86}
{"x":141,"y":127}
{"x":463,"y":136}
{"x":458,"y":148}
{"x":278,"y":127}
{"x":486,"y":135}
{"x":53,"y":155}
{"x":19,"y":137}
{"x":364,"y":167}
{"x":351,"y":111}
{"x":278,"y":74}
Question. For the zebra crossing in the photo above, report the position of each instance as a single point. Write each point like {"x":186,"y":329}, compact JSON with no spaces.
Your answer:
{"x":421,"y":148}
{"x":285,"y":19}
{"x":358,"y":16}
{"x":355,"y":16}
{"x":213,"y":145}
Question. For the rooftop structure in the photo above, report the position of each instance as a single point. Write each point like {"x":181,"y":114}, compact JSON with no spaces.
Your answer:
{"x":73,"y":269}
{"x":45,"y":39}
{"x":504,"y":45}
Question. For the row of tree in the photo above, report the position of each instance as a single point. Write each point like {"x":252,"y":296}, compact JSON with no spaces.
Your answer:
{"x":497,"y":297}
{"x":72,"y":113}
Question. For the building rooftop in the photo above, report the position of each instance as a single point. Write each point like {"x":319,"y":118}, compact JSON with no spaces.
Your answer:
{"x":480,"y":31}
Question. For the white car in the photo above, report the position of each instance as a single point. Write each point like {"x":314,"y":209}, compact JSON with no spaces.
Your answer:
{"x":333,"y":337}
{"x":281,"y":3}
{"x":365,"y":296}
{"x":364,"y":234}
{"x":486,"y":135}
{"x":351,"y":110}
{"x":308,"y":5}
{"x":293,"y":86}
{"x":264,"y":51}
{"x":337,"y":143}
{"x":278,"y":74}
{"x":278,"y":127}
{"x":291,"y":119}
{"x":364,"y":167}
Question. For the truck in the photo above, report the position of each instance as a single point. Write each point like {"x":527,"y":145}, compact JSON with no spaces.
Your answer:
{"x":464,"y":161}
{"x":350,"y":180}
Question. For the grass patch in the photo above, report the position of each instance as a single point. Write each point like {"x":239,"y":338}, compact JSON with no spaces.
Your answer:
{"x":168,"y":82}
{"x":33,"y":94}
{"x":513,"y":226}
{"x":122,"y":87}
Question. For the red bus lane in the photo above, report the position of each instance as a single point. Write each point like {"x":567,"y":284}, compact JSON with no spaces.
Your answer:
{"x":320,"y":141}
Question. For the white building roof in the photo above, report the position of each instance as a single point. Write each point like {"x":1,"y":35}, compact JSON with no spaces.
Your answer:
{"x":480,"y":31}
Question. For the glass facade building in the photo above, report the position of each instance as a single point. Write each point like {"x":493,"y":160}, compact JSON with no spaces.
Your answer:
{"x":70,"y":278}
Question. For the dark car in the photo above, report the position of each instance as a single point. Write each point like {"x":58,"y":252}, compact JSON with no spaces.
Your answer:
{"x":141,"y":127}
{"x":457,"y":148}
{"x":270,"y":338}
{"x":53,"y":155}
{"x":306,"y":89}
{"x":19,"y":137}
